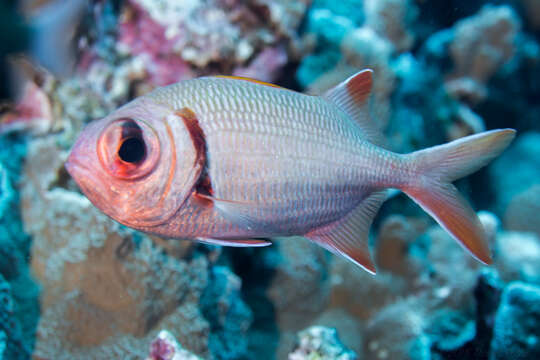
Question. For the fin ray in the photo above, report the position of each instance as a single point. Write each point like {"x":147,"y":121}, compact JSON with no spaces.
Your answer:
{"x":349,"y":237}
{"x":431,"y":188}
{"x":352,"y":96}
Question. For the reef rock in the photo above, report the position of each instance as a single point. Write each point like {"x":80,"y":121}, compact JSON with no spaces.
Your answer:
{"x":322,"y":343}
{"x":516,"y":334}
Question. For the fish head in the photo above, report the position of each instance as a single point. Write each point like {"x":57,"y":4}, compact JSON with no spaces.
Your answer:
{"x":138,"y":165}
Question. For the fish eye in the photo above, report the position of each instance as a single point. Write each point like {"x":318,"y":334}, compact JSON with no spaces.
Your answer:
{"x":128,"y":149}
{"x":132,"y":150}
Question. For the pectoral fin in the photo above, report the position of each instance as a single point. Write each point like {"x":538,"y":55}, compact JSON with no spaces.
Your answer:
{"x":349,"y":236}
{"x":250,"y":216}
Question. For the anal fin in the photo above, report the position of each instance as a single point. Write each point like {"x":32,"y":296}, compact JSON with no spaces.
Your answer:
{"x":236,"y":242}
{"x":349,"y":236}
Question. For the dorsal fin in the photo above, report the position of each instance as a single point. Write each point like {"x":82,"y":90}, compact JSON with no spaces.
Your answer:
{"x":255,"y":81}
{"x":352,"y":96}
{"x":349,"y":236}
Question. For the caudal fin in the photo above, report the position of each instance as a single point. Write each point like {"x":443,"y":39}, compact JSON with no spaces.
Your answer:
{"x":435,"y":169}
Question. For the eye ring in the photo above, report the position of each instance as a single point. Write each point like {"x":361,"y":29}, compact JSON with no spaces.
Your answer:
{"x":129,"y":149}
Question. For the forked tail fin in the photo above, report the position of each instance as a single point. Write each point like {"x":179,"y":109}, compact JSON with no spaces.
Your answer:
{"x":435,"y":168}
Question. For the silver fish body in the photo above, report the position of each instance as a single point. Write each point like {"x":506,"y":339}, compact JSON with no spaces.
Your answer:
{"x":299,"y":160}
{"x":233,"y":161}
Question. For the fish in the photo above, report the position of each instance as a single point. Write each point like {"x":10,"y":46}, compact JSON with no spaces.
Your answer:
{"x":236,"y":162}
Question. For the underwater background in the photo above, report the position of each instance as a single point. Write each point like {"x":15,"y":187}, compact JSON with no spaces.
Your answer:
{"x":74,"y":284}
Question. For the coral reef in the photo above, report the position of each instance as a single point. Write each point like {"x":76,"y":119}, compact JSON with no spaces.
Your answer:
{"x":523,"y":160}
{"x":318,"y":342}
{"x":175,"y":41}
{"x":76,"y":285}
{"x":517,"y":329}
{"x":165,"y":347}
{"x":482,"y":44}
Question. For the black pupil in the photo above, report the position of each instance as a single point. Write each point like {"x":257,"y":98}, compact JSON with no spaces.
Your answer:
{"x":132,"y":150}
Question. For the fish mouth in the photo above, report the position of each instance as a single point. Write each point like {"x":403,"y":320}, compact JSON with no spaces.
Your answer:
{"x":85,"y":179}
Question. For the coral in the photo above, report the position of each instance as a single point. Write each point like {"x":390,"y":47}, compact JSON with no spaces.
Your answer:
{"x":19,"y":291}
{"x":350,"y":328}
{"x":522,"y":211}
{"x":394,"y":241}
{"x":397,"y":332}
{"x":444,"y":257}
{"x":13,"y":345}
{"x":460,"y":335}
{"x":360,"y":293}
{"x":516,"y":332}
{"x":179,"y":41}
{"x":390,"y":19}
{"x":525,"y":164}
{"x":482,"y":44}
{"x":165,"y":347}
{"x":228,"y":315}
{"x":300,"y":273}
{"x":518,"y":256}
{"x":266,"y":66}
{"x":322,"y":343}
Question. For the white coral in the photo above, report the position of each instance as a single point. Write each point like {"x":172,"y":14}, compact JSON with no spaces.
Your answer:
{"x":482,"y":44}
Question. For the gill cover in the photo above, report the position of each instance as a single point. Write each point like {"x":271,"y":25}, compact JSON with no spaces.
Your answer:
{"x":150,"y":183}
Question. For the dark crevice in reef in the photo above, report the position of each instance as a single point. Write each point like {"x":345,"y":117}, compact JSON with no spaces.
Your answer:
{"x":64,"y":181}
{"x":256,"y":275}
{"x":487,"y":294}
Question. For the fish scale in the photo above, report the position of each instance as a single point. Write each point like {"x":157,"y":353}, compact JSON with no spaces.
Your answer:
{"x":323,"y":145}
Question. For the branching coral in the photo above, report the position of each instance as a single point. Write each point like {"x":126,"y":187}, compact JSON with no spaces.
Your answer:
{"x":391,"y":19}
{"x":482,"y":44}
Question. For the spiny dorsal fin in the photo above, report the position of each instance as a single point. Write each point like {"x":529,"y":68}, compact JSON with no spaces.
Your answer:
{"x":349,"y":237}
{"x":352,"y":96}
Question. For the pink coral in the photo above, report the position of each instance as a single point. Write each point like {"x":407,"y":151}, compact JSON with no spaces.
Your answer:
{"x":266,"y":66}
{"x":176,"y":41}
{"x":141,"y":35}
{"x":165,"y":347}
